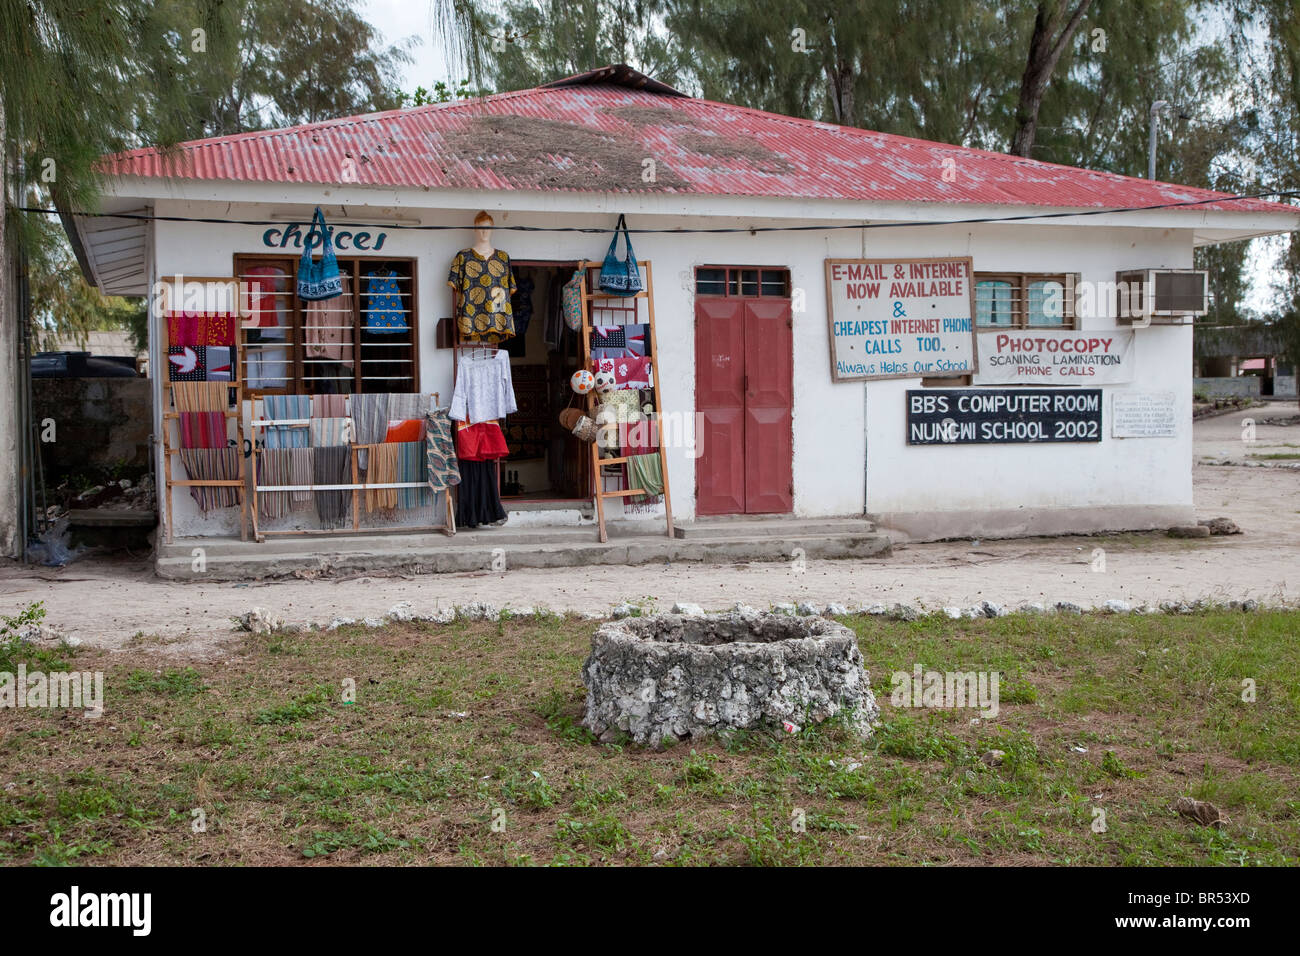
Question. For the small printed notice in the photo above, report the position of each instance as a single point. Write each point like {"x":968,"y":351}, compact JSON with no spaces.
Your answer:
{"x":900,"y":318}
{"x":1144,"y":415}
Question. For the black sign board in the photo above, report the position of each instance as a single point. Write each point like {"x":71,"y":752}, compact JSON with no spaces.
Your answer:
{"x":987,"y":416}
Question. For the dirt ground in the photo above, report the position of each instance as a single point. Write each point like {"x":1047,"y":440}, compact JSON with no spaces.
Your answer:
{"x":106,"y":602}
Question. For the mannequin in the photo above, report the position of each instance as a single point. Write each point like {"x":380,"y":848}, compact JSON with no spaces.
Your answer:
{"x":483,"y":282}
{"x":483,"y":224}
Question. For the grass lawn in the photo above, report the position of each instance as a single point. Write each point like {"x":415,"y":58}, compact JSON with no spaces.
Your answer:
{"x":464,"y":746}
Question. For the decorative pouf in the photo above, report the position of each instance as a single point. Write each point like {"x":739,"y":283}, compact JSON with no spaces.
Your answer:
{"x":672,"y":676}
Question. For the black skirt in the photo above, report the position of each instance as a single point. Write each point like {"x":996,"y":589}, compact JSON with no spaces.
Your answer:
{"x":477,"y":500}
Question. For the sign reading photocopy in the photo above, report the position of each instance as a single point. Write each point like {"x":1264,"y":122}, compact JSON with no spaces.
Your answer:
{"x":900,"y":318}
{"x":1055,"y":357}
{"x":990,"y":416}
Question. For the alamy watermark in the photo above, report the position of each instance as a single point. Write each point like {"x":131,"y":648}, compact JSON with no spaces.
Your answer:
{"x":82,"y":690}
{"x":946,"y":689}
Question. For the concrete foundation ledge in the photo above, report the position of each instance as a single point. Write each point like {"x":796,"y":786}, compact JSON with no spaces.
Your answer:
{"x":1032,"y":522}
{"x":226,"y":560}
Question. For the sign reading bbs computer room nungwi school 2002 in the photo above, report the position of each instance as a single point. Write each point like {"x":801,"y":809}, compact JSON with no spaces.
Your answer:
{"x":900,"y":318}
{"x":991,"y":416}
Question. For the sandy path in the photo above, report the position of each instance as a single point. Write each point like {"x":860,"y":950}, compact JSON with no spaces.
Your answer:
{"x":106,"y":602}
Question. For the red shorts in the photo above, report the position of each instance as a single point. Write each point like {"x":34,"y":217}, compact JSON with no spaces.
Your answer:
{"x":481,"y":442}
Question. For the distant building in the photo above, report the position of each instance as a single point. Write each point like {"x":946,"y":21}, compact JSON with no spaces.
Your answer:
{"x":1241,"y":360}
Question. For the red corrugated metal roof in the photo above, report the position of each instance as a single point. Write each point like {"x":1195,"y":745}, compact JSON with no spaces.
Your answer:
{"x":596,"y":136}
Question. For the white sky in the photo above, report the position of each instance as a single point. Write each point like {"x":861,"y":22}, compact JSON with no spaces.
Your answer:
{"x":399,"y":19}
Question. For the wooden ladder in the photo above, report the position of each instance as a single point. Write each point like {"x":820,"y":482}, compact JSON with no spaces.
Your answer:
{"x":626,"y":304}
{"x":171,"y":417}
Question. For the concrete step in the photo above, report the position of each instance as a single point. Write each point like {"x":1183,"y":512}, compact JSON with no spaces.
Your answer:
{"x":777,"y":526}
{"x":234,"y":560}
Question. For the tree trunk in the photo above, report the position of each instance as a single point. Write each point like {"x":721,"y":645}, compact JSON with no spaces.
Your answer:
{"x":10,"y":492}
{"x":839,"y":76}
{"x":1045,"y":49}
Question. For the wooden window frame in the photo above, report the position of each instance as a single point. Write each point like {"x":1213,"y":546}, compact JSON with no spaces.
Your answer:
{"x":296,"y":343}
{"x":1020,"y":282}
{"x":728,"y":271}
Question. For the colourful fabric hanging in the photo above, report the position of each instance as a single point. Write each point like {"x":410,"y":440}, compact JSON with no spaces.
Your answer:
{"x":201,"y":328}
{"x":275,"y":467}
{"x":327,"y":328}
{"x":412,"y":467}
{"x":203,"y":429}
{"x":300,"y":473}
{"x":645,"y":472}
{"x":441,"y":466}
{"x":332,"y":466}
{"x":329,"y":406}
{"x":212,"y":464}
{"x":383,"y":304}
{"x":201,"y":396}
{"x":382,"y":470}
{"x":330,"y":432}
{"x":286,"y":408}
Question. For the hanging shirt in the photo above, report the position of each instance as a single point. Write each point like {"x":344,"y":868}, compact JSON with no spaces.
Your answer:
{"x":327,"y":328}
{"x":383,"y":304}
{"x":269,"y":310}
{"x":484,"y":390}
{"x":485,"y":286}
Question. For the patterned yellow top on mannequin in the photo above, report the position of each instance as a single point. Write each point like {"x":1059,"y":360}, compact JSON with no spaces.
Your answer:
{"x":485,"y":286}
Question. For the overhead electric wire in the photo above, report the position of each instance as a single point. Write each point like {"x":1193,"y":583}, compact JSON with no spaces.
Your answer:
{"x":438,"y":227}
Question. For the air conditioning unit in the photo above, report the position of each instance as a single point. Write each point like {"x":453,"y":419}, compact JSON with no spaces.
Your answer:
{"x":1161,"y":296}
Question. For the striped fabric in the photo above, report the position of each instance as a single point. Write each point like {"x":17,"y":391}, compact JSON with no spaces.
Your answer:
{"x":412,"y":467}
{"x":203,"y":429}
{"x":212,"y":464}
{"x":332,"y":466}
{"x":300,"y":473}
{"x":329,"y":406}
{"x":645,"y":472}
{"x":407,"y":405}
{"x":370,"y":415}
{"x":382,"y":470}
{"x":281,"y":408}
{"x":201,"y":396}
{"x":275,"y":467}
{"x":370,"y":412}
{"x":331,"y":432}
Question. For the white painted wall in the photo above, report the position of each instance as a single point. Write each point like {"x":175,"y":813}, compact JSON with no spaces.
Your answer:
{"x":833,"y":434}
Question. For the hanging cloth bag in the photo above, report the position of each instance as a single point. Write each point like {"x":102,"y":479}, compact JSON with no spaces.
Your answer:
{"x":620,"y":277}
{"x":318,"y":280}
{"x":571,"y":301}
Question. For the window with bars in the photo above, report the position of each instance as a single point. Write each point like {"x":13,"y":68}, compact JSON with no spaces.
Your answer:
{"x":365,"y":340}
{"x":732,"y":282}
{"x":1023,"y":300}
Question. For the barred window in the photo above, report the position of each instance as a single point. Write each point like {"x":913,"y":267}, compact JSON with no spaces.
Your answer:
{"x":1026,"y":300}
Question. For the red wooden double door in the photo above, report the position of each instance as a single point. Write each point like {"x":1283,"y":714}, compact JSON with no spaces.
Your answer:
{"x":744,"y":391}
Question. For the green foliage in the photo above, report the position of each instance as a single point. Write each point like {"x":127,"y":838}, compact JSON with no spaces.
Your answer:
{"x":169,"y":683}
{"x":441,"y":93}
{"x":14,"y":650}
{"x":142,"y":74}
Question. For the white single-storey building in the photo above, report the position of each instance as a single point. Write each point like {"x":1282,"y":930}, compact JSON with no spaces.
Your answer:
{"x":818,"y":294}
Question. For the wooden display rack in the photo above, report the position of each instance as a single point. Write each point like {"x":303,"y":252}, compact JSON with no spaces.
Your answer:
{"x":170,"y":415}
{"x":590,"y":296}
{"x":356,"y":486}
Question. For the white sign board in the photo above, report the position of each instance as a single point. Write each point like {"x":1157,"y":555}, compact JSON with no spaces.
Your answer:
{"x":1055,"y":357}
{"x":900,"y":318}
{"x":1144,"y":415}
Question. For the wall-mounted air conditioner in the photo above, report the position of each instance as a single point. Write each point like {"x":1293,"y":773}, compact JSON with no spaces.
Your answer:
{"x":1161,"y":296}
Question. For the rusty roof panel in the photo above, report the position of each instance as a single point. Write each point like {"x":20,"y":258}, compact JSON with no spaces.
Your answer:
{"x":602,"y":138}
